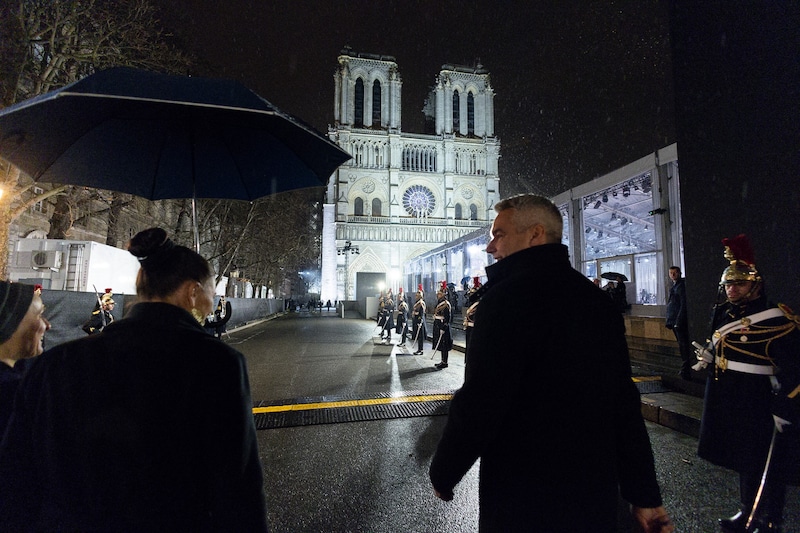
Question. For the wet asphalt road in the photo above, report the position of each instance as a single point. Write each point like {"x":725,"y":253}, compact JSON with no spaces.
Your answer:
{"x":372,"y":476}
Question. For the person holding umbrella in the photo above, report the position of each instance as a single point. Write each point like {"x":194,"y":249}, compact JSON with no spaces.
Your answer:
{"x":146,"y":426}
{"x":617,"y":291}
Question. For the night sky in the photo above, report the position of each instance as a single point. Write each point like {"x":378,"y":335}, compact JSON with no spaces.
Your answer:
{"x":581,"y":87}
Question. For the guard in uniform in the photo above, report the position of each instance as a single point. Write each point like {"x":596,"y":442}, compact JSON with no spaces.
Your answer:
{"x":442,"y":340}
{"x":418,"y":319}
{"x":402,"y":317}
{"x":472,"y":296}
{"x":751,"y":409}
{"x":388,"y":319}
{"x":101,"y":315}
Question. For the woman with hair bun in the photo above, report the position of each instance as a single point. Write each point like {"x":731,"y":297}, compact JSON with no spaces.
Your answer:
{"x":146,"y":426}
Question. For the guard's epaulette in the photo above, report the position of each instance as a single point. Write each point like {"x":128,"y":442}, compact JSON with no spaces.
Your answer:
{"x":789,"y":314}
{"x":96,"y":312}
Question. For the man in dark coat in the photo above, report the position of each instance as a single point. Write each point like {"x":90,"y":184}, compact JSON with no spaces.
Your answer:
{"x":678,"y":321}
{"x":554,"y":455}
{"x":418,"y":320}
{"x":752,"y":392}
{"x":101,"y":314}
{"x":442,"y":314}
{"x":402,"y":318}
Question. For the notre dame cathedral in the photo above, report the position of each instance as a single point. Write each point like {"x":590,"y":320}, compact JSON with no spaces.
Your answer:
{"x":404,"y":194}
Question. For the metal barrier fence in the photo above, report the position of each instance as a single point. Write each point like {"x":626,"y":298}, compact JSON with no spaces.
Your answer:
{"x":67,"y":311}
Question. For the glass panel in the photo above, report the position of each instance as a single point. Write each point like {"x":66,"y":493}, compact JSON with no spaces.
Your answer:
{"x":590,"y":269}
{"x":646,"y":279}
{"x":617,"y":220}
{"x":565,"y":220}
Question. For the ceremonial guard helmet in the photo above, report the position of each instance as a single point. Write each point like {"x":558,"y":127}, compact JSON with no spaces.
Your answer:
{"x":443,"y":288}
{"x":742,"y":261}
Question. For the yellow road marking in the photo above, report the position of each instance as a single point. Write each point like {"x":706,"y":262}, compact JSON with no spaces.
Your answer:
{"x":646,"y":378}
{"x":376,"y":401}
{"x":350,"y":403}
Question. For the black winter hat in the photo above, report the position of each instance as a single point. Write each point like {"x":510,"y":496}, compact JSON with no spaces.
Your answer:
{"x":15,"y":299}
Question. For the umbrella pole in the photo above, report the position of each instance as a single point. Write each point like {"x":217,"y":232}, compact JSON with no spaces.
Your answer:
{"x":194,"y":226}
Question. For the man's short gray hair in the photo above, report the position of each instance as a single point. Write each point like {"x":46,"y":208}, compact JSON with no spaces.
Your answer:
{"x":529,"y":210}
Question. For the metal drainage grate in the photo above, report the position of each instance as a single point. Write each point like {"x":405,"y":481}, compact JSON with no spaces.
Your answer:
{"x":381,"y":407}
{"x":651,"y":386}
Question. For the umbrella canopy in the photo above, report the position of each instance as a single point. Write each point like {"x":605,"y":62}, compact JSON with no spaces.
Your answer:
{"x":613,"y":276}
{"x":161,"y":136}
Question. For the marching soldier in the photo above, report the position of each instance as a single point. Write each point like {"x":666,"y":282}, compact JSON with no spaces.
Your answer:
{"x":441,"y":325}
{"x":402,"y":317}
{"x":418,"y":319}
{"x":101,"y":315}
{"x":751,"y":412}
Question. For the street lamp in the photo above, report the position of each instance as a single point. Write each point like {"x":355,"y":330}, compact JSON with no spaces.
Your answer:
{"x":347,"y":250}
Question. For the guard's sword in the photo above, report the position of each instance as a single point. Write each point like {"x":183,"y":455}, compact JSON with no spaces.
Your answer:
{"x":100,"y":303}
{"x":441,"y":334}
{"x":416,"y":336}
{"x":751,"y":518}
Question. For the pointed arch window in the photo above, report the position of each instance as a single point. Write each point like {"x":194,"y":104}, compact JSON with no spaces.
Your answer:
{"x":456,"y":111}
{"x":473,"y":212}
{"x":470,"y":114}
{"x":459,"y":212}
{"x":376,"y":103}
{"x":358,"y":207}
{"x":358,"y":119}
{"x":376,"y":207}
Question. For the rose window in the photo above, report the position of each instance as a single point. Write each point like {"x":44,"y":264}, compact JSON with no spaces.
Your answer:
{"x":419,"y":201}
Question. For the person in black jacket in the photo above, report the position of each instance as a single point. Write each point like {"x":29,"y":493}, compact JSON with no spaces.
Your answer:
{"x":678,"y":321}
{"x":752,"y":400}
{"x":101,"y":314}
{"x":147,"y":426}
{"x":442,"y":338}
{"x":553,"y":456}
{"x":402,"y":318}
{"x":418,"y":320}
{"x":22,"y":329}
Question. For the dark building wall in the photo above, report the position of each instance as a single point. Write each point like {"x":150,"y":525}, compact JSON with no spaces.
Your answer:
{"x":737,"y":77}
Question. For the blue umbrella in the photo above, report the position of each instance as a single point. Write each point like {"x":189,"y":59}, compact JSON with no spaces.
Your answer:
{"x":161,"y":136}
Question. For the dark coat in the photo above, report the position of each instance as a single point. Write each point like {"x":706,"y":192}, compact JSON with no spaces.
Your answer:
{"x":736,"y":427}
{"x":10,"y":378}
{"x":548,"y":404}
{"x":402,"y":317}
{"x":147,"y":426}
{"x":442,"y":338}
{"x":676,"y":306}
{"x":97,"y":321}
{"x":387,"y":322}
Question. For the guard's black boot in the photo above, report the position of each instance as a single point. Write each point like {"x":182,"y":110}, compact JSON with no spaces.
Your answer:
{"x":734,"y":524}
{"x":766,"y":526}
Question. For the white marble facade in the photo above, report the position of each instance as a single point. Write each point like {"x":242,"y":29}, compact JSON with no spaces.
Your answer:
{"x":403,"y":194}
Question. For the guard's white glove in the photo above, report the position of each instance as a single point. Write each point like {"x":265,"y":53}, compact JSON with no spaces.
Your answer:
{"x":780,"y":423}
{"x":704,"y":356}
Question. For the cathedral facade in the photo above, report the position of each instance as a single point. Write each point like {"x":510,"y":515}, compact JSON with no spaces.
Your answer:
{"x":404,"y":194}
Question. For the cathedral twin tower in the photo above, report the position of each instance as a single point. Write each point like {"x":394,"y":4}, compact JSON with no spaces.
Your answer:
{"x":404,"y":194}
